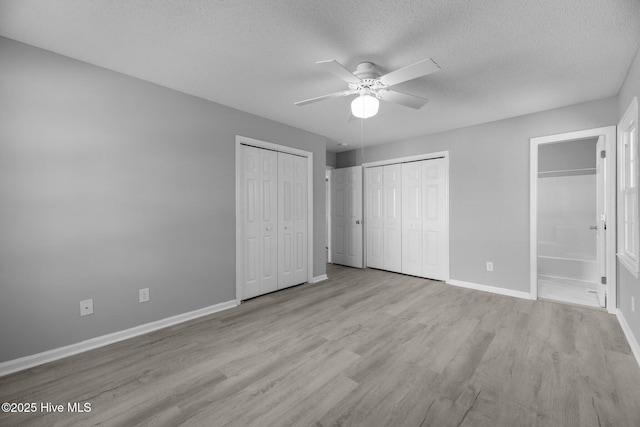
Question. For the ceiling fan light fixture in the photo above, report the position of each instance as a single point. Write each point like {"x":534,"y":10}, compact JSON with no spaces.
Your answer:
{"x":365,"y":106}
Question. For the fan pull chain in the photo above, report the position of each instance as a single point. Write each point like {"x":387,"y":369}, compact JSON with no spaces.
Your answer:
{"x":362,"y":142}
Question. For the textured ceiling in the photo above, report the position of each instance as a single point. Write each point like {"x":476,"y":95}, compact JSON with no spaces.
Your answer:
{"x":499,"y":58}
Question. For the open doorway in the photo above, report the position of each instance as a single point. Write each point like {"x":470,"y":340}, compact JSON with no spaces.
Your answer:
{"x":568,"y":215}
{"x":573,"y":217}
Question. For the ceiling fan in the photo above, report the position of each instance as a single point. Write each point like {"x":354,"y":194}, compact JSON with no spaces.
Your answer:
{"x":367,"y":82}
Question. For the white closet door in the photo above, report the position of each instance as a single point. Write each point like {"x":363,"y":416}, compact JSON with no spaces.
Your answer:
{"x":251,"y":221}
{"x":412,"y":218}
{"x":260,"y":221}
{"x":435,"y":250}
{"x":285,"y":220}
{"x":374,"y":218}
{"x":392,"y":218}
{"x":300,"y":207}
{"x":346,"y":216}
{"x":269,"y":221}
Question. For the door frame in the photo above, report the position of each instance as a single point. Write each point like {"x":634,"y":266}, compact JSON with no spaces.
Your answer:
{"x":243,"y":140}
{"x":609,"y":133}
{"x":416,"y":158}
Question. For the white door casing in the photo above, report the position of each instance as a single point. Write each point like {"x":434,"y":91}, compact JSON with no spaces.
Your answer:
{"x":346,"y":216}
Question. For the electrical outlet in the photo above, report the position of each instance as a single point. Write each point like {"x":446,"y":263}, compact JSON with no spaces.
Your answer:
{"x":86,"y":307}
{"x":489,"y":266}
{"x":143,"y":295}
{"x":633,"y":304}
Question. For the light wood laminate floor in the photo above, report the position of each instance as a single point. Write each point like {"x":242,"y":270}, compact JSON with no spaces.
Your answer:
{"x":365,"y":348}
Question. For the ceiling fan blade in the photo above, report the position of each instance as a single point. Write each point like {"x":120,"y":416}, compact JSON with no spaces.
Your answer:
{"x":320,"y":98}
{"x":410,"y":72}
{"x":337,"y":69}
{"x":407,"y":100}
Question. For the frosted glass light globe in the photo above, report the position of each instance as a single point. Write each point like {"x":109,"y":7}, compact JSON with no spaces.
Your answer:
{"x":365,"y":106}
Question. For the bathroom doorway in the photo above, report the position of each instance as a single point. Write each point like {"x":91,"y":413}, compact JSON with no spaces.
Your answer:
{"x":572,"y":209}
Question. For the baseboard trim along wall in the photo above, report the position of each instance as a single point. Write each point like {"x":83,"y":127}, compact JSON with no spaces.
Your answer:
{"x":320,"y":278}
{"x":492,"y":289}
{"x":26,"y":362}
{"x":633,"y":342}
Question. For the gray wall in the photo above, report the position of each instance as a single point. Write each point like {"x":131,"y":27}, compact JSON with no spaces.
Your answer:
{"x":489,"y":186}
{"x":331,"y":159}
{"x":109,"y":184}
{"x":628,"y":285}
{"x":567,"y":155}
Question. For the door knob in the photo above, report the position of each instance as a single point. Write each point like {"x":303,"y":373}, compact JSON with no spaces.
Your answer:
{"x":593,"y":227}
{"x":358,"y":221}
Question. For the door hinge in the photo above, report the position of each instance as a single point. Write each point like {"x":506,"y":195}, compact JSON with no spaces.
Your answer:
{"x":603,"y":154}
{"x":603,"y":280}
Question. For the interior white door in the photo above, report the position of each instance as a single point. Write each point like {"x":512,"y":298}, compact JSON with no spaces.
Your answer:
{"x":346,"y":216}
{"x":260,"y":221}
{"x":285,"y":220}
{"x":250,"y":220}
{"x":412,"y":218}
{"x":300,"y":206}
{"x":435,"y":250}
{"x":601,"y":222}
{"x":392,"y":218}
{"x":374,"y":217}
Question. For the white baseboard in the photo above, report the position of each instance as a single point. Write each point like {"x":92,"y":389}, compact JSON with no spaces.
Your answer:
{"x":633,"y":342}
{"x":26,"y":362}
{"x":319,"y":278}
{"x":492,"y":289}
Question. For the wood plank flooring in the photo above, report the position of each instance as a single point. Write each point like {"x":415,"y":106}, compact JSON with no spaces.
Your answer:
{"x":365,"y":348}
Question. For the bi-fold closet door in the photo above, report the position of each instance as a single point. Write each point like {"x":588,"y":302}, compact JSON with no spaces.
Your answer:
{"x":384,"y":221}
{"x":274,"y":220}
{"x":406,"y":218}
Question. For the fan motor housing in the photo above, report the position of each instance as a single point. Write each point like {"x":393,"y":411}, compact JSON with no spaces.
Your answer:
{"x":368,"y":74}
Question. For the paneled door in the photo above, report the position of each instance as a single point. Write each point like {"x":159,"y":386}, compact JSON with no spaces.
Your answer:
{"x":392,"y":217}
{"x":274,"y":221}
{"x":435,"y":248}
{"x":425,"y":241}
{"x":601,"y":235}
{"x":375,"y":217}
{"x":259,"y":187}
{"x":292,"y":220}
{"x":286,"y":251}
{"x":346,"y":216}
{"x":412,"y":218}
{"x":300,"y":206}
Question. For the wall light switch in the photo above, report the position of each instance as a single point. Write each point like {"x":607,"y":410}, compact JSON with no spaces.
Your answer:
{"x":86,"y":307}
{"x":489,"y":266}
